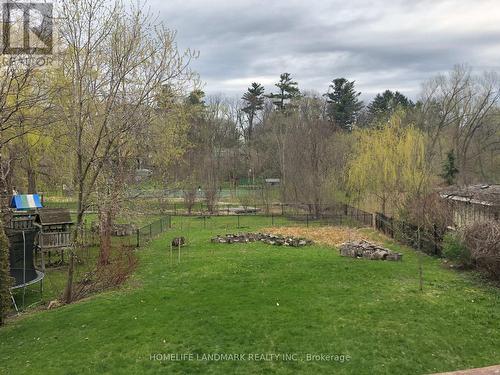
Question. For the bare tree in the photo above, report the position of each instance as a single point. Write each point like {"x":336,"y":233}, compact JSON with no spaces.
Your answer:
{"x":214,"y":139}
{"x":309,"y":154}
{"x":113,"y":58}
{"x":460,"y":106}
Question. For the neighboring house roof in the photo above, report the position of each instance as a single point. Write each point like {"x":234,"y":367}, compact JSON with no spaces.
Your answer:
{"x":25,"y":202}
{"x":485,"y":195}
{"x":54,"y":216}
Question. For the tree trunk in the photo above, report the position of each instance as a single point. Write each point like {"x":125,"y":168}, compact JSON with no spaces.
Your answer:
{"x":68,"y":292}
{"x":105,"y":224}
{"x":31,"y":175}
{"x":317,"y":209}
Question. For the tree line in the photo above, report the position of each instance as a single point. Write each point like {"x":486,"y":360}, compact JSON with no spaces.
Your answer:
{"x":326,"y":145}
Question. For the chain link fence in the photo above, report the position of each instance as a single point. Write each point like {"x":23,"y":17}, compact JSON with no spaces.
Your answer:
{"x":146,"y":233}
{"x":428,"y":241}
{"x":239,"y":217}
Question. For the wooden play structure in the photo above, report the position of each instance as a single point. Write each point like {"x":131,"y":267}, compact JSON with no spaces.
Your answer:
{"x":33,"y":230}
{"x":53,"y":232}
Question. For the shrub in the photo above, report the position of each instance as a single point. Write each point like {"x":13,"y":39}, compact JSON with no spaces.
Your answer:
{"x":431,"y":211}
{"x":483,"y":241}
{"x":108,"y":276}
{"x":5,"y":279}
{"x":246,"y":200}
{"x":455,"y":249}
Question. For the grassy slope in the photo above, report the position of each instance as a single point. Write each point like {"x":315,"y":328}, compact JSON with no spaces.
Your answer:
{"x":55,"y":278}
{"x":223,"y":298}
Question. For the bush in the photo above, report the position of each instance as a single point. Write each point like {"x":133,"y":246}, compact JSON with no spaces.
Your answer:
{"x":483,"y":241}
{"x":5,"y":279}
{"x":455,"y":249}
{"x":432,"y":212}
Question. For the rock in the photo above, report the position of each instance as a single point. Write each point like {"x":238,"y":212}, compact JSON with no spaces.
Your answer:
{"x":53,"y":304}
{"x":394,"y":257}
{"x":178,"y":241}
{"x":269,"y":239}
{"x":364,"y":249}
{"x":378,"y":255}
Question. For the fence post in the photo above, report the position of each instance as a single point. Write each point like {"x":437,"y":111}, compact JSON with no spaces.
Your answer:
{"x":138,"y":237}
{"x":170,"y":221}
{"x":282,"y":210}
{"x":435,"y":239}
{"x":272,"y":219}
{"x":204,"y":222}
{"x":307,"y":220}
{"x":150,"y":230}
{"x":161,"y":225}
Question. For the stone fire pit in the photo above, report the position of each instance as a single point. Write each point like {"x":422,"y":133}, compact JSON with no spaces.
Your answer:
{"x":365,"y":249}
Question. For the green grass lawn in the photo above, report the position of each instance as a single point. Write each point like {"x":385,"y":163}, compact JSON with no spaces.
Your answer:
{"x":259,"y":299}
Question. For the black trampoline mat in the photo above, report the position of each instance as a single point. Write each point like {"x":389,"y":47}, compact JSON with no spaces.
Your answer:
{"x":17,"y":274}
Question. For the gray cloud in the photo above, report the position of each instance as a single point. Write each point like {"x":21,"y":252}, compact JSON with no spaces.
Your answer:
{"x":380,"y":44}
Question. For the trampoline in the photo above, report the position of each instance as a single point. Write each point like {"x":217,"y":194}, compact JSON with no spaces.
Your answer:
{"x":22,"y":266}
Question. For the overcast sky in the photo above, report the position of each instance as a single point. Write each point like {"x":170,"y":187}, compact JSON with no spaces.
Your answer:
{"x":391,"y":44}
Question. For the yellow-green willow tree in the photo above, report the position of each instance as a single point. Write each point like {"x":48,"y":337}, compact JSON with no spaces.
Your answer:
{"x":389,"y":163}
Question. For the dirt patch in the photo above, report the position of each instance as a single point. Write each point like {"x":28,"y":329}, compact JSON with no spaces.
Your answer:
{"x":331,"y":236}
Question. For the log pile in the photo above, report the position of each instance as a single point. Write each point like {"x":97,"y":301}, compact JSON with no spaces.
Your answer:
{"x":365,"y":249}
{"x":269,"y":239}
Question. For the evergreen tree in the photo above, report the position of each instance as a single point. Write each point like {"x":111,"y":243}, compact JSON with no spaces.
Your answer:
{"x":343,"y":103}
{"x":254,"y":102}
{"x":450,"y":171}
{"x":165,"y":99}
{"x":196,"y":97}
{"x":5,"y":278}
{"x":385,"y":105}
{"x":288,"y":90}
